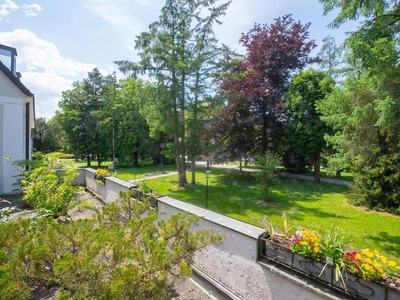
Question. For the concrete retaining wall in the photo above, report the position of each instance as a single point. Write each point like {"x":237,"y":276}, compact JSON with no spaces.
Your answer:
{"x":109,"y":191}
{"x":233,"y":263}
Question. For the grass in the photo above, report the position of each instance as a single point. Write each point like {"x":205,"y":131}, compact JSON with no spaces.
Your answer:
{"x":128,"y":172}
{"x":317,"y":207}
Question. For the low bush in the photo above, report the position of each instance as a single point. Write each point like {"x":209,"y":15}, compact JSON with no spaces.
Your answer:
{"x":123,"y":253}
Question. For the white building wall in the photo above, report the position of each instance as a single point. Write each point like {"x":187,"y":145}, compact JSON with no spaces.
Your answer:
{"x":13,"y":141}
{"x":12,"y":130}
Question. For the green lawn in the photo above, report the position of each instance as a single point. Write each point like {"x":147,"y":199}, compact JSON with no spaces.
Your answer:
{"x":128,"y":172}
{"x":317,"y":207}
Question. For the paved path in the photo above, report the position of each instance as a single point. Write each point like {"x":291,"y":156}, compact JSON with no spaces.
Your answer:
{"x":203,"y":164}
{"x":282,"y":174}
{"x":154,"y":176}
{"x":311,"y":178}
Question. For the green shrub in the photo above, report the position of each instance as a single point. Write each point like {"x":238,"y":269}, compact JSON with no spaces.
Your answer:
{"x":265,"y":174}
{"x":123,"y":253}
{"x":49,"y":185}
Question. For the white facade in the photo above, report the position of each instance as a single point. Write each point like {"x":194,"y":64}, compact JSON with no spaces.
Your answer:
{"x":17,"y":118}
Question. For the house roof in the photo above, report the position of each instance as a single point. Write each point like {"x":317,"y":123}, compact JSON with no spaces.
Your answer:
{"x":10,"y":49}
{"x":15,"y":80}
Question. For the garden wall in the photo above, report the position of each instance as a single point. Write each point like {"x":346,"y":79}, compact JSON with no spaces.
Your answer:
{"x":234,"y":263}
{"x":109,"y":191}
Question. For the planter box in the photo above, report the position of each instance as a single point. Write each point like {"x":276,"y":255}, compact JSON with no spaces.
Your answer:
{"x":276,"y":250}
{"x":313,"y":268}
{"x":138,"y":194}
{"x":362,"y":289}
{"x":393,"y":293}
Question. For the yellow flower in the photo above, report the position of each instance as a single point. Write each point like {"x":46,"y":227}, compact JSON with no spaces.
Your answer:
{"x":358,"y":256}
{"x":383,"y":259}
{"x":366,"y":266}
{"x":391,"y":263}
{"x":368,"y":260}
{"x":316,"y":248}
{"x":376,"y":252}
{"x":369,"y":254}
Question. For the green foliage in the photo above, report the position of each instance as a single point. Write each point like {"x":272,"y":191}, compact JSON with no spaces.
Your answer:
{"x":265,"y":175}
{"x":332,"y":246}
{"x":365,"y":117}
{"x":48,"y":136}
{"x":101,"y":174}
{"x":122,"y":254}
{"x":6,"y":211}
{"x":306,"y":129}
{"x":367,"y":111}
{"x":48,"y":186}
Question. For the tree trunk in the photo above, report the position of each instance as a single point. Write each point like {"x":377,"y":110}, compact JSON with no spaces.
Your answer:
{"x":193,"y":169}
{"x":88,"y":160}
{"x":240,"y":165}
{"x":317,"y":168}
{"x":136,"y":159}
{"x":338,"y":174}
{"x":183,"y":125}
{"x":264,"y":129}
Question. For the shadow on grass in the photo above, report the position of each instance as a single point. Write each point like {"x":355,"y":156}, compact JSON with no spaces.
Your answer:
{"x":389,"y":243}
{"x":236,"y":194}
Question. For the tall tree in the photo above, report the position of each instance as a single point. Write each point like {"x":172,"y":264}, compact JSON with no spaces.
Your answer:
{"x":79,"y":114}
{"x":203,"y":64}
{"x":332,"y":58}
{"x":132,"y":128}
{"x":166,"y":54}
{"x":366,"y":111}
{"x":274,"y":53}
{"x":306,"y":129}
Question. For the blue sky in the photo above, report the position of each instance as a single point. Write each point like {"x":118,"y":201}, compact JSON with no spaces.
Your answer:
{"x":59,"y":41}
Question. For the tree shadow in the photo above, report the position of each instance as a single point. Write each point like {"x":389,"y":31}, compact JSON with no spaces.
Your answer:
{"x":389,"y":243}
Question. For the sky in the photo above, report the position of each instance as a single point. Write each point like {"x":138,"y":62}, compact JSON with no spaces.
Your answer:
{"x":59,"y":41}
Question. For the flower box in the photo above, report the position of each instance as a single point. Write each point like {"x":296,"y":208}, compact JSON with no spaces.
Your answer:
{"x":277,"y":250}
{"x":392,"y":293}
{"x":365,"y":290}
{"x":313,"y":268}
{"x":138,"y":194}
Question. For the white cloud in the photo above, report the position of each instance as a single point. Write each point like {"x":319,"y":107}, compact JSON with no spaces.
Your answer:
{"x":116,"y":14}
{"x":6,"y":8}
{"x":126,"y":18}
{"x":32,"y":10}
{"x":48,"y":72}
